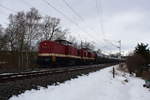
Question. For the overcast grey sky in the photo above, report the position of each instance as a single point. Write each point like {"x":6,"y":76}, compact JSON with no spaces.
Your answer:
{"x":126,"y":20}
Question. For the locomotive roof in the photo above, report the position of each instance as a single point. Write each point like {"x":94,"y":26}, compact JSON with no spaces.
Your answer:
{"x":63,"y":42}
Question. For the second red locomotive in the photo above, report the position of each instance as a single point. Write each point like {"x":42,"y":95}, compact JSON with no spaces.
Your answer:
{"x":60,"y":52}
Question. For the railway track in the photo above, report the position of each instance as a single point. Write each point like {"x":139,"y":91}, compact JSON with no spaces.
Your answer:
{"x":32,"y":74}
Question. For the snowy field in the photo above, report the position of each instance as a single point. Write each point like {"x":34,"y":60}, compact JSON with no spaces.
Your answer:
{"x":96,"y":86}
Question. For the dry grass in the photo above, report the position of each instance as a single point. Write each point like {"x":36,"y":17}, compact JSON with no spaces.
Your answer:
{"x":123,"y":67}
{"x":146,"y":75}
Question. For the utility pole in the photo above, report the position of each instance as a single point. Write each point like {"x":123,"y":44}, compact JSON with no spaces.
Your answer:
{"x":113,"y":72}
{"x":81,"y":44}
{"x":117,"y":46}
{"x":119,"y":49}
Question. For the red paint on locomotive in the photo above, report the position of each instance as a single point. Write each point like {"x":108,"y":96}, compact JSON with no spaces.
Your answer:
{"x":71,"y":51}
{"x":52,"y":47}
{"x":51,"y":52}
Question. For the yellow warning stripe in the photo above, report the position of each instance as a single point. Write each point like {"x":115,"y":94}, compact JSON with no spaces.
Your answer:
{"x":88,"y":58}
{"x":62,"y":55}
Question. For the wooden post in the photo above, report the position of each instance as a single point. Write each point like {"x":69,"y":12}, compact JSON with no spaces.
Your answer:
{"x":113,"y":72}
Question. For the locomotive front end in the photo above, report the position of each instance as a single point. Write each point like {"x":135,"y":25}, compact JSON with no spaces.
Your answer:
{"x":44,"y":53}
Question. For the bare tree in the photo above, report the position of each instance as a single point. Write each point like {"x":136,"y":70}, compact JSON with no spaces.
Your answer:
{"x":11,"y":32}
{"x":74,"y":42}
{"x":32,"y":27}
{"x":87,"y":45}
{"x":4,"y":43}
{"x":26,"y":29}
{"x":61,"y":34}
{"x":1,"y":32}
{"x":16,"y":34}
{"x":99,"y":52}
{"x":16,"y":31}
{"x":51,"y":29}
{"x":3,"y":40}
{"x":33,"y":18}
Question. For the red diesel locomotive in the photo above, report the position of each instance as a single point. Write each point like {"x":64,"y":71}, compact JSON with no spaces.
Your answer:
{"x":60,"y":52}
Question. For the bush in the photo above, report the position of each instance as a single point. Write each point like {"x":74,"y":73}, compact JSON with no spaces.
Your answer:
{"x":139,"y":59}
{"x":135,"y":64}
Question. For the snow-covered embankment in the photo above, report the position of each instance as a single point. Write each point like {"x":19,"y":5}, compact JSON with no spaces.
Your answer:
{"x":99,"y":85}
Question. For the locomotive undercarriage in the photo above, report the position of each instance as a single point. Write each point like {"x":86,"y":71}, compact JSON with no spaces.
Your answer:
{"x":51,"y":61}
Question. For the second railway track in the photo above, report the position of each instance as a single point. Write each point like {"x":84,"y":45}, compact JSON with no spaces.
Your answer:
{"x":17,"y":83}
{"x":33,"y":74}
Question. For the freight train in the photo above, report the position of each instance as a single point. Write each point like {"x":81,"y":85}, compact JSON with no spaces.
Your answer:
{"x":62,"y":53}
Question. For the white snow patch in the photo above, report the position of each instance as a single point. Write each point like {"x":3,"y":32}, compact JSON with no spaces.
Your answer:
{"x":6,"y":73}
{"x":99,"y":85}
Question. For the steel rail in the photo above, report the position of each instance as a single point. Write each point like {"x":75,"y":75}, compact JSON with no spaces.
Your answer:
{"x":32,"y":74}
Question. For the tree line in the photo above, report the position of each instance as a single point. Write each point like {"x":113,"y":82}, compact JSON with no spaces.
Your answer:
{"x":26,"y":29}
{"x":139,"y":60}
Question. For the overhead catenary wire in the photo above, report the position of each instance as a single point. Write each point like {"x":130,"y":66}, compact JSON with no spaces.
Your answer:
{"x":66,"y":17}
{"x":76,"y":14}
{"x":6,"y":14}
{"x":3,"y":13}
{"x":74,"y":11}
{"x":9,"y":9}
{"x":101,"y":22}
{"x":100,"y":15}
{"x":50,"y":5}
{"x":99,"y":11}
{"x":31,"y":5}
{"x":72,"y":21}
{"x":27,"y":3}
{"x":110,"y":42}
{"x":84,"y":31}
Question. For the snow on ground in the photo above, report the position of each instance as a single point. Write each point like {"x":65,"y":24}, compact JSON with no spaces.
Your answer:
{"x":6,"y":73}
{"x":96,"y":86}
